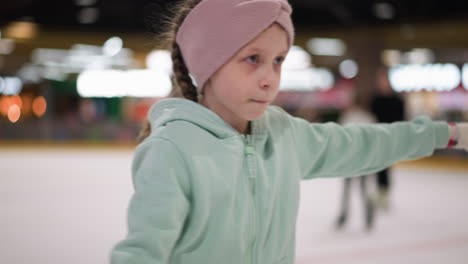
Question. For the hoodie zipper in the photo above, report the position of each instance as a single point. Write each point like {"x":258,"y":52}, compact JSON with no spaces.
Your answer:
{"x":249,"y":151}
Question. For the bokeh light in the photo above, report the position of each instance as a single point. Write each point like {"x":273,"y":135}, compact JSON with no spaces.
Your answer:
{"x":27,"y":104}
{"x":14,"y":113}
{"x":349,"y":69}
{"x":39,"y":106}
{"x":112,"y":46}
{"x":159,"y":60}
{"x":465,"y":76}
{"x":88,"y":15}
{"x":16,"y":99}
{"x":6,"y":102}
{"x":429,"y":77}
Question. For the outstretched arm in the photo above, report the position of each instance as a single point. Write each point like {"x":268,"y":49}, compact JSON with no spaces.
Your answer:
{"x":331,"y":150}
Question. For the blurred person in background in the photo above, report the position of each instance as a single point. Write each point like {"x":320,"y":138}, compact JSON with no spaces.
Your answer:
{"x":356,"y":113}
{"x":388,"y":107}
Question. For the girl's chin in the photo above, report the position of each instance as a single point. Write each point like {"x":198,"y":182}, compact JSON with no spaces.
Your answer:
{"x":255,"y":115}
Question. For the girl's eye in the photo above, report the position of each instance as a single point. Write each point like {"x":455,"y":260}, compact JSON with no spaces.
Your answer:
{"x":279,"y":60}
{"x":252,"y":59}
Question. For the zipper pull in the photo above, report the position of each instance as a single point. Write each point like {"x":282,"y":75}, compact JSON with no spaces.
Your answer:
{"x":249,"y":150}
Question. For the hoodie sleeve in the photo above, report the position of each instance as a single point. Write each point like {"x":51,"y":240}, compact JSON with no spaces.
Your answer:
{"x":331,"y":150}
{"x":158,"y":207}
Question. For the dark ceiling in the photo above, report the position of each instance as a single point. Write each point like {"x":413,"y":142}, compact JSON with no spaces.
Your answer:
{"x":140,"y":15}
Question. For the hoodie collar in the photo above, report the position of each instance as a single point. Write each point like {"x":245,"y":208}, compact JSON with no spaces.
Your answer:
{"x":179,"y":109}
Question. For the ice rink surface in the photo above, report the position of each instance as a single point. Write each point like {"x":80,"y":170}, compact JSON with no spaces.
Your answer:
{"x":68,"y":206}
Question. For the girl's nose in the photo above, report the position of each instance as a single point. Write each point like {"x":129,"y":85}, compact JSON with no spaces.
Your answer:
{"x":269,"y":77}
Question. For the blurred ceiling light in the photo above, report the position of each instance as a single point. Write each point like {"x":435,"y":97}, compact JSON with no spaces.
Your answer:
{"x":415,"y":56}
{"x":112,"y":46}
{"x":348,"y":69}
{"x":429,"y":77}
{"x":88,"y":15}
{"x":21,"y":30}
{"x":306,"y":80}
{"x":298,"y":74}
{"x":384,"y":10}
{"x":10,"y":85}
{"x":391,"y":58}
{"x":85,"y":2}
{"x":14,"y":113}
{"x":91,"y":57}
{"x":418,"y":56}
{"x":41,"y":55}
{"x":85,"y":49}
{"x":116,"y":83}
{"x":159,"y":60}
{"x":51,"y":71}
{"x":465,"y":76}
{"x":29,"y":73}
{"x":82,"y":56}
{"x":326,"y":46}
{"x":39,"y":106}
{"x":297,"y":59}
{"x":6,"y":46}
{"x":57,"y":64}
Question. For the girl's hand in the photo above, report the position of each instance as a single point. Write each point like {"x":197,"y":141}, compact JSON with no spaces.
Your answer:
{"x":462,"y":132}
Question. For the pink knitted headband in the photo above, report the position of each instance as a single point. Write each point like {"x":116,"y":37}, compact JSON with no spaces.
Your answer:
{"x":216,"y":29}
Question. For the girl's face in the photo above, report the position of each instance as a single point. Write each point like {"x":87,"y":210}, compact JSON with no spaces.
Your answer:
{"x":242,"y":89}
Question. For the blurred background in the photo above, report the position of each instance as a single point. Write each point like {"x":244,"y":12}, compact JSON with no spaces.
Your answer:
{"x":88,"y":70}
{"x":77,"y":78}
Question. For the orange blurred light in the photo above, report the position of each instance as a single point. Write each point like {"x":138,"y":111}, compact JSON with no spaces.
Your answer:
{"x":39,"y":106}
{"x":4,"y":105}
{"x":16,"y":99}
{"x":14,"y":113}
{"x":7,"y":101}
{"x":21,"y":30}
{"x":27,"y":104}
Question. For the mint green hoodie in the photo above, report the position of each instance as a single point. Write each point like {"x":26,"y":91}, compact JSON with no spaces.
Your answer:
{"x":205,"y":194}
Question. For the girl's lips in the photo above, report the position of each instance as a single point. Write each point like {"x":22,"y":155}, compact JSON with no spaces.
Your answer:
{"x":259,"y":101}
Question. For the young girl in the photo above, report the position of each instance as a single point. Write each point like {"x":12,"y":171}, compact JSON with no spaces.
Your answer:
{"x":217,"y":179}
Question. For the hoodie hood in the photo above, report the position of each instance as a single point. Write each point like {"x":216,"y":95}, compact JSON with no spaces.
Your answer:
{"x":179,"y":109}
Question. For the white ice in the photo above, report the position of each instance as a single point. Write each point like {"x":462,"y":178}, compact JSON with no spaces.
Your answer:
{"x":69,"y":206}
